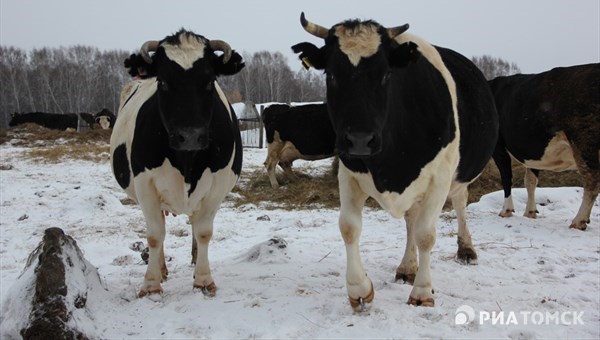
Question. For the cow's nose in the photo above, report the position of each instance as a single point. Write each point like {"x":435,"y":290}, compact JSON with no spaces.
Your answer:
{"x":361,"y":144}
{"x":189,"y":139}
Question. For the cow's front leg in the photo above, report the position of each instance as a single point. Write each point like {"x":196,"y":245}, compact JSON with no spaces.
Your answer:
{"x":202,"y":226}
{"x":352,"y":199}
{"x":424,"y":233}
{"x":531,"y":181}
{"x":155,"y":236}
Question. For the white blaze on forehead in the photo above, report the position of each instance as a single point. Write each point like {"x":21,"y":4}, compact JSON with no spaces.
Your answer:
{"x":359,"y":42}
{"x":188,"y":51}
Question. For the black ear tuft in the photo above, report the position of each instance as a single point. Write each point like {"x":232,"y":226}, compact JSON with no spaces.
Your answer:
{"x":404,"y":54}
{"x":234,"y":65}
{"x":310,"y":55}
{"x":138,"y":67}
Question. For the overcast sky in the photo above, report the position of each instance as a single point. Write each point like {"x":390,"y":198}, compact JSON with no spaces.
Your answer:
{"x":535,"y":34}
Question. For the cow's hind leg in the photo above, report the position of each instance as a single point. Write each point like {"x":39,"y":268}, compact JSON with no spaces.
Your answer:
{"x":466,"y":252}
{"x":407,"y":270}
{"x":352,"y":199}
{"x":503,"y":162}
{"x":531,"y":181}
{"x":591,"y":188}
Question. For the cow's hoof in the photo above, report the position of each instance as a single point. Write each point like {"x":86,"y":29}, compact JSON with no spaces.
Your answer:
{"x":208,"y":290}
{"x":581,"y":225}
{"x":466,"y":255}
{"x":427,"y":302}
{"x":531,"y":213}
{"x":506,"y":213}
{"x":405,"y":278}
{"x":149,"y":291}
{"x":362,"y":304}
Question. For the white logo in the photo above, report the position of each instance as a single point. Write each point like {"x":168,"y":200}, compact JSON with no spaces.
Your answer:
{"x":464,"y":314}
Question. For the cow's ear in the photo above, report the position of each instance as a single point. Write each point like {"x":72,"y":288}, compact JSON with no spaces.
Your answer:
{"x":310,"y":55}
{"x":138,"y":67}
{"x":404,"y":54}
{"x":234,"y":65}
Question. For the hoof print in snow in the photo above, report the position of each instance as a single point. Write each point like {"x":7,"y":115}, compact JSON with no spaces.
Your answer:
{"x":145,"y":254}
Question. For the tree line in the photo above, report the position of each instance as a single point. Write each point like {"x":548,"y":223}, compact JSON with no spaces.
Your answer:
{"x":84,"y":79}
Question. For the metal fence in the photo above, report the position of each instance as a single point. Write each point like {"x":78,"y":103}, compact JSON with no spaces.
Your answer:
{"x":251,"y":127}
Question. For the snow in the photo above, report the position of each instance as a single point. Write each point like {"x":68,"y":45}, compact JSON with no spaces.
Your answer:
{"x":281,"y":274}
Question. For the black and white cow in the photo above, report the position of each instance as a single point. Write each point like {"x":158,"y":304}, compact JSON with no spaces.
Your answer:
{"x":56,"y":121}
{"x":550,"y":121}
{"x":296,"y":132}
{"x":415,"y":123}
{"x":176,"y":146}
{"x":105,"y":118}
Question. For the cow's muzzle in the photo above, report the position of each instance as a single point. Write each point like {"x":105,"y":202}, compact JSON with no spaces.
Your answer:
{"x":360,"y":144}
{"x":189,"y":139}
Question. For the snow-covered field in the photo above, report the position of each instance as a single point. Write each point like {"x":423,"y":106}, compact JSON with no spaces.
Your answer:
{"x":542,"y":276}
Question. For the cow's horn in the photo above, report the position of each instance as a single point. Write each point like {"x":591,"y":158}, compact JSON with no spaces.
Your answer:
{"x":148,"y":46}
{"x":312,"y":28}
{"x":220,"y":45}
{"x":396,"y":31}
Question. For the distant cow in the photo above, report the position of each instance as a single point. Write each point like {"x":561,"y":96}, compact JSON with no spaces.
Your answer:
{"x":105,"y":118}
{"x":57,"y":121}
{"x":550,"y":121}
{"x":176,"y":146}
{"x":296,"y":132}
{"x":414,"y":123}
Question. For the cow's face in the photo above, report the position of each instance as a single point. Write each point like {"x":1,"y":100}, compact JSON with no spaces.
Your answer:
{"x":186,"y":68}
{"x":359,"y":60}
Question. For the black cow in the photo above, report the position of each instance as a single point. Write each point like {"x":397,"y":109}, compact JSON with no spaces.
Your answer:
{"x":176,"y":146}
{"x":57,"y":121}
{"x":105,"y":118}
{"x":415,"y":123}
{"x":88,"y":118}
{"x":550,"y":121}
{"x":296,"y":132}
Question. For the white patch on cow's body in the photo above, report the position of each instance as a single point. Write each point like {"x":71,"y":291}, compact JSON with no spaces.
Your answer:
{"x":187,"y":52}
{"x":360,"y":42}
{"x":558,"y":156}
{"x":104,"y":122}
{"x":223,"y":99}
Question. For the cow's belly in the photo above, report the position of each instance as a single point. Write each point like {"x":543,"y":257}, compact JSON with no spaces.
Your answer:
{"x":290,"y":153}
{"x":173,"y":193}
{"x":435,"y":178}
{"x":558,"y":156}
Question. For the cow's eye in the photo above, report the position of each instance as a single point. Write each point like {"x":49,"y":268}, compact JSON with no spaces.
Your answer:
{"x":162,"y":85}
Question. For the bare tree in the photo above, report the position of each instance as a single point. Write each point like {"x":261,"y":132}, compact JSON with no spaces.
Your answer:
{"x":494,"y":67}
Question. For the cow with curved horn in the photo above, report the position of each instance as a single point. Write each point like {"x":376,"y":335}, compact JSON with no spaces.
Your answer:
{"x":415,"y":124}
{"x":176,"y":146}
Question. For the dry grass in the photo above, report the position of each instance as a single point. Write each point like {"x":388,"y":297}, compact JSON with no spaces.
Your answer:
{"x":55,"y":146}
{"x":303,"y":191}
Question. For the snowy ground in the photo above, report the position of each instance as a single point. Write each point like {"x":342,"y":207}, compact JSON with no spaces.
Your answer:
{"x":540,"y":267}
